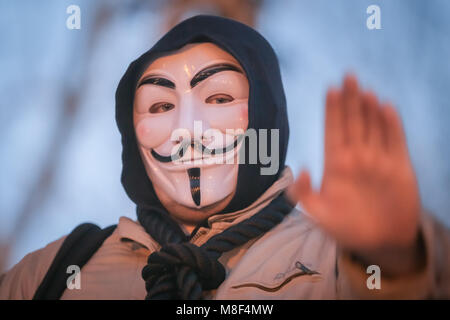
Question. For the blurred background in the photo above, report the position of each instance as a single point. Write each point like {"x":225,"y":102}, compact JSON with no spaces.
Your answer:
{"x":60,"y":150}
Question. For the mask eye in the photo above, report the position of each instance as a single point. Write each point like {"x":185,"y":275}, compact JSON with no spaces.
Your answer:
{"x":161,"y":107}
{"x":219,"y":98}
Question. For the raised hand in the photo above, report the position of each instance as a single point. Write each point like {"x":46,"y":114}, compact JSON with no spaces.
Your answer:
{"x":369,"y":199}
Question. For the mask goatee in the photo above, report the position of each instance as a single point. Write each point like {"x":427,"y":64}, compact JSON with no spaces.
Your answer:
{"x":194,"y":180}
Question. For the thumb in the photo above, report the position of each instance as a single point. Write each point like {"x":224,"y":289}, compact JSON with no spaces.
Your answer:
{"x":308,"y":198}
{"x":301,"y":188}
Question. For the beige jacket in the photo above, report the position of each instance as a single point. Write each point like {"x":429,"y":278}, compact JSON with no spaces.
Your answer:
{"x":294,"y":260}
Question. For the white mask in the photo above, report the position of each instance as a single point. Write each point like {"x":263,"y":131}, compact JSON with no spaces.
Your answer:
{"x":199,"y":86}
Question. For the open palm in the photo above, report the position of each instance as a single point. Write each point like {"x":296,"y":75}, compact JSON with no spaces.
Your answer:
{"x":369,"y":197}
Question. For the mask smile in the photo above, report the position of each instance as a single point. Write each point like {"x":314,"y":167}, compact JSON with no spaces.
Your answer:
{"x":205,"y":153}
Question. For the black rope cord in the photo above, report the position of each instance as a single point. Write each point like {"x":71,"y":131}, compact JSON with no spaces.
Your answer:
{"x":182,"y":270}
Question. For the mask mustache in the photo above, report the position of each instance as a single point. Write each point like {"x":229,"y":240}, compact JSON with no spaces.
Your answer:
{"x":196,"y":145}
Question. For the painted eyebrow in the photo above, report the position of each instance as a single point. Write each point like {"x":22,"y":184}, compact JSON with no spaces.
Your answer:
{"x":209,"y":71}
{"x":158,"y":81}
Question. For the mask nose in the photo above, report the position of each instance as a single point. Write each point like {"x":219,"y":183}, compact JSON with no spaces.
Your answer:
{"x":191,"y":118}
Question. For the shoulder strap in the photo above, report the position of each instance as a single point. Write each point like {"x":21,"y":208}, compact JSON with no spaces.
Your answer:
{"x":79,"y":246}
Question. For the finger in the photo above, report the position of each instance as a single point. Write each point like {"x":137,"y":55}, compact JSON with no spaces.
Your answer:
{"x":291,"y":194}
{"x":395,"y":135}
{"x":334,"y":135}
{"x":354,"y":118}
{"x":374,"y":121}
{"x":309,"y":199}
{"x":304,"y":185}
{"x":299,"y":188}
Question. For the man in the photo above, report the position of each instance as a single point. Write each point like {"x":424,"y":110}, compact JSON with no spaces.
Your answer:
{"x":198,"y":114}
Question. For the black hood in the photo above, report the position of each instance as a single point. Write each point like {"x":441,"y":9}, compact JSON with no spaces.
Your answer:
{"x":266,"y":105}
